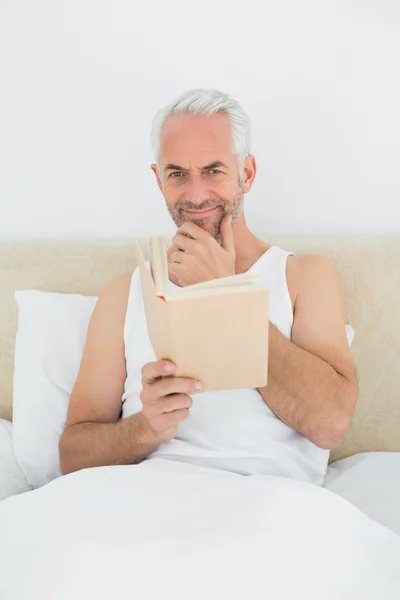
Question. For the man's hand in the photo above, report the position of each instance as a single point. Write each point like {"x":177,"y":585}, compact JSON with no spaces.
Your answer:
{"x":196,"y":256}
{"x":165,"y":400}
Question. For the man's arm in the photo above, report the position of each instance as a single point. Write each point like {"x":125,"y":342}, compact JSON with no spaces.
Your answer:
{"x":312,"y":381}
{"x":93,"y":434}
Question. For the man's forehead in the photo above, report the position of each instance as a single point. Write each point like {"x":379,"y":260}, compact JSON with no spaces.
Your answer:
{"x":196,"y":140}
{"x":181,"y":123}
{"x":191,"y":130}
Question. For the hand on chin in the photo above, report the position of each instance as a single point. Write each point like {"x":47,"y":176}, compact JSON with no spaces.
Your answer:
{"x":196,"y":256}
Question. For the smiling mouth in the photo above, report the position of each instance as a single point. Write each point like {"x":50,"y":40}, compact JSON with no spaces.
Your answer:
{"x":202,"y":214}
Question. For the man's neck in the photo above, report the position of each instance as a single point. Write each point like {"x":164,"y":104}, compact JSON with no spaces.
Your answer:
{"x":248,"y":247}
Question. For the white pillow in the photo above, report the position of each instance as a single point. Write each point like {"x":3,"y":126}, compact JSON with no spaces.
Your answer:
{"x":12,"y":480}
{"x":349,"y":333}
{"x":50,"y":340}
{"x":370,"y":481}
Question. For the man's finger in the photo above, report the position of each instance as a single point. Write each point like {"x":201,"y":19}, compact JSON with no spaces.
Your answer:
{"x":173,"y":254}
{"x":166,"y":404}
{"x":194,"y":231}
{"x":176,"y":269}
{"x":181,"y":272}
{"x":152,"y":371}
{"x":227,"y":241}
{"x":170,"y":251}
{"x":184,"y":242}
{"x":174,"y":385}
{"x":177,"y":257}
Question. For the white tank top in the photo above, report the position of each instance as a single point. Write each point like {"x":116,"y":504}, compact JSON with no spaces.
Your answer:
{"x":232,"y":430}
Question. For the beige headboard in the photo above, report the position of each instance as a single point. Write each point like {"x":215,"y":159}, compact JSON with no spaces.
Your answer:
{"x":369,"y":268}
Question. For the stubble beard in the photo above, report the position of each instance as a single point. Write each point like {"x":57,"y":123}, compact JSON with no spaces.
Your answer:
{"x":211,"y":224}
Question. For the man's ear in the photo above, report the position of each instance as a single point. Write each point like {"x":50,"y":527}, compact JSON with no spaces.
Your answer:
{"x":154,"y":168}
{"x":249,"y":172}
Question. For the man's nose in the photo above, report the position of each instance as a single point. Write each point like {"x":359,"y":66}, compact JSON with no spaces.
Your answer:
{"x":197,"y":191}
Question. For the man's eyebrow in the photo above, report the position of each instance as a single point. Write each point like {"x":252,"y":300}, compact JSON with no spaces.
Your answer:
{"x":172,"y":167}
{"x":214,"y":165}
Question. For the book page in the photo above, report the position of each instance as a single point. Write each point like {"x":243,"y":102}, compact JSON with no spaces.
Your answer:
{"x":187,"y":293}
{"x":158,"y":261}
{"x":223,"y":281}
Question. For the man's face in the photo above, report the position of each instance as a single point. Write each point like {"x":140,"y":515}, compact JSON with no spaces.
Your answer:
{"x":199,"y":175}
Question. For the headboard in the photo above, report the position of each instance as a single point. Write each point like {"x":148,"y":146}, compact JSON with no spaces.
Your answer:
{"x":369,"y":268}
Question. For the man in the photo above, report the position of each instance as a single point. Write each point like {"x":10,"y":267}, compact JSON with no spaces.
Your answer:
{"x":204,"y":168}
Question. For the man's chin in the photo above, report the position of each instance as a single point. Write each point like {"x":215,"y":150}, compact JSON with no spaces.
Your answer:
{"x":209,"y":224}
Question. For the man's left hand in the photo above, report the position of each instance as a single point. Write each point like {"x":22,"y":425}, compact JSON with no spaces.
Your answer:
{"x":196,"y":256}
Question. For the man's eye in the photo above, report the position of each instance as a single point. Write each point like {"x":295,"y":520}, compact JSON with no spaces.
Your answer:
{"x":176,"y":174}
{"x":214,"y":171}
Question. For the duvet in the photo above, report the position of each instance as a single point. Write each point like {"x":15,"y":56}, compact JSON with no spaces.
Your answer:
{"x":167,"y":530}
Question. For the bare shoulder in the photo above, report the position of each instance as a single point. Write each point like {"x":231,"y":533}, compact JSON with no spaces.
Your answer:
{"x":118,"y":286}
{"x":116,"y":292}
{"x":107,"y":322}
{"x":100,"y":383}
{"x":305,"y":272}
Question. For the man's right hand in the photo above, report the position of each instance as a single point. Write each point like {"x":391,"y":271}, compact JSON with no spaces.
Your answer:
{"x":165,"y":399}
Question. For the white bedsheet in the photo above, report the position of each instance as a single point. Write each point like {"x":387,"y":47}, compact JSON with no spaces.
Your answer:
{"x":370,"y":481}
{"x":167,"y":530}
{"x":12,"y":480}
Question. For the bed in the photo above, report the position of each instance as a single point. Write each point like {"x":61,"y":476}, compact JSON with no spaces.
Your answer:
{"x":357,"y":508}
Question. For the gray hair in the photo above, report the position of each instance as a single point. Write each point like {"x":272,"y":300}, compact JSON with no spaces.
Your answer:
{"x":208,"y":103}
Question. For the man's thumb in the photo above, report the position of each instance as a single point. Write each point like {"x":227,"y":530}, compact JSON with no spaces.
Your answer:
{"x":227,"y":234}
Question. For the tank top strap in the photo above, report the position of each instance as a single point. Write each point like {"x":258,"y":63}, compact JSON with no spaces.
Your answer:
{"x":271,"y":272}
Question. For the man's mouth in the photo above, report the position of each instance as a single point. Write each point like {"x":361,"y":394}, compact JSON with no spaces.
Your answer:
{"x":201,"y":214}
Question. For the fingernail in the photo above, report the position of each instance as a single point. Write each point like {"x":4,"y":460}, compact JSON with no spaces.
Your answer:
{"x":198,"y":385}
{"x":169,"y":367}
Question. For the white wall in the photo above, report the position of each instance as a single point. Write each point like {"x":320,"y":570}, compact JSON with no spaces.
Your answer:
{"x":81,"y":79}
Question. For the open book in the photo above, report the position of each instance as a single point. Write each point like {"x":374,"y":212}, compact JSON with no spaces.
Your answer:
{"x":215,"y":331}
